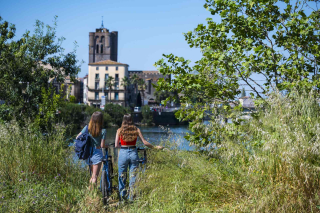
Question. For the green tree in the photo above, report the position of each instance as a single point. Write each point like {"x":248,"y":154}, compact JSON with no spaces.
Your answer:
{"x":116,"y":112}
{"x":147,"y":117}
{"x":243,"y":92}
{"x":135,"y":80}
{"x":125,"y":82}
{"x":142,"y":87}
{"x":72,"y":99}
{"x":28,"y":64}
{"x":280,"y":44}
{"x":110,"y":83}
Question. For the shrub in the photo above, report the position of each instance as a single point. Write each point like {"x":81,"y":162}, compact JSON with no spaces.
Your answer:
{"x":72,"y":99}
{"x":147,"y":116}
{"x":116,"y":112}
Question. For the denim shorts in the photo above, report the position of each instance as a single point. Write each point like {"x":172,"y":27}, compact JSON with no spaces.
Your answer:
{"x":96,"y":158}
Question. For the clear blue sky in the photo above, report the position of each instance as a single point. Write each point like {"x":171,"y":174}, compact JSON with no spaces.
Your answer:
{"x":147,"y":28}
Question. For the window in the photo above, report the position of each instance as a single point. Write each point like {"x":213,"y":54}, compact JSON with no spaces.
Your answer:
{"x":97,"y":76}
{"x":116,"y":96}
{"x":116,"y":85}
{"x":106,"y":95}
{"x":106,"y":76}
{"x":106,"y":68}
{"x":97,"y":85}
{"x":117,"y":77}
{"x":106,"y":85}
{"x":97,"y":95}
{"x":97,"y":68}
{"x":97,"y":49}
{"x":101,"y":51}
{"x":116,"y":68}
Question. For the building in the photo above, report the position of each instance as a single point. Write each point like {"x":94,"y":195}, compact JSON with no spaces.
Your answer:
{"x":247,"y":103}
{"x":150,"y":78}
{"x":99,"y":73}
{"x":85,"y":89}
{"x":103,"y":45}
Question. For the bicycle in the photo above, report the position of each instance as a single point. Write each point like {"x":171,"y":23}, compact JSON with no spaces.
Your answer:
{"x":107,"y":174}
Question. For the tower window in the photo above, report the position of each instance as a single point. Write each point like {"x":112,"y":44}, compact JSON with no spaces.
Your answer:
{"x":106,"y":68}
{"x":116,"y":68}
{"x":101,"y":51}
{"x":97,"y":48}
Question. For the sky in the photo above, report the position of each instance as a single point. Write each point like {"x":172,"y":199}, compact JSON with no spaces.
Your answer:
{"x":147,"y":28}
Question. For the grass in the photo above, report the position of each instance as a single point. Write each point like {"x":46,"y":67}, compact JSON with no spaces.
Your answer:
{"x":270,"y":164}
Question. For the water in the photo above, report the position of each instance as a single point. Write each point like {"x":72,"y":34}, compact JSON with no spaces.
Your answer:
{"x":156,"y":134}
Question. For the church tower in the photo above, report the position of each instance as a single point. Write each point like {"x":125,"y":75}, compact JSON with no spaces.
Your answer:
{"x":103,"y":45}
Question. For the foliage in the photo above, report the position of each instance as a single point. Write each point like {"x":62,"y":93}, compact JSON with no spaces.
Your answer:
{"x":147,"y":116}
{"x":76,"y":116}
{"x":135,"y":80}
{"x":110,"y":83}
{"x":38,"y":172}
{"x":268,"y":164}
{"x":29,"y":64}
{"x":276,"y":40}
{"x":72,"y":99}
{"x":243,"y":92}
{"x":139,"y":100}
{"x":116,"y":112}
{"x":48,"y":108}
{"x":162,"y":95}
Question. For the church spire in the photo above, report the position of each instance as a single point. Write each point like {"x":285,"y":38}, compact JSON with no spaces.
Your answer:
{"x":102,"y":23}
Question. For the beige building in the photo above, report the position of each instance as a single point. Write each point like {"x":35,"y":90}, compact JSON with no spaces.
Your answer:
{"x":98,"y":74}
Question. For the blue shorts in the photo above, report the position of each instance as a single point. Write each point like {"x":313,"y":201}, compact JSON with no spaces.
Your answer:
{"x":96,"y":158}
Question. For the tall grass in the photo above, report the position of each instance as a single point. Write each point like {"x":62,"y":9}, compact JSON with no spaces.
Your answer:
{"x":38,"y":172}
{"x":268,"y":164}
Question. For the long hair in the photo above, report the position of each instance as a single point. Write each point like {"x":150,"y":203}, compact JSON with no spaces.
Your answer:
{"x":95,"y":124}
{"x":128,"y":130}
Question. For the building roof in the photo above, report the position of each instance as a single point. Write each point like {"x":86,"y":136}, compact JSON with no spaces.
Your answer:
{"x":107,"y":62}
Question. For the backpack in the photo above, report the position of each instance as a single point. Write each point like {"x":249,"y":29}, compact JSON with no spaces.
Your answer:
{"x":83,"y":146}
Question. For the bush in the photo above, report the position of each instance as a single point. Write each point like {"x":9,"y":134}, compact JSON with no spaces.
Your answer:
{"x":116,"y":112}
{"x":76,"y":116}
{"x":72,"y":99}
{"x":147,"y":116}
{"x":38,"y":172}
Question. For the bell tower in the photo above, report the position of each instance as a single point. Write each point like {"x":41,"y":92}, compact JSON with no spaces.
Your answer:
{"x":103,"y":45}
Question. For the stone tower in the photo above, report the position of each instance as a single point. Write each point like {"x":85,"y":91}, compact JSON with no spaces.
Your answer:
{"x":103,"y":45}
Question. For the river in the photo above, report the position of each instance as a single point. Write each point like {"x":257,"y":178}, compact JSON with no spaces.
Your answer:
{"x":157,"y":134}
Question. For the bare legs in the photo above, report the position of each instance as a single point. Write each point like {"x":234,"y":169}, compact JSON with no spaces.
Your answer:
{"x":95,"y":169}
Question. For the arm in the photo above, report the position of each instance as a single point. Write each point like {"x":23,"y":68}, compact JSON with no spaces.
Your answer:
{"x":102,"y":144}
{"x":116,"y":142}
{"x":144,"y":141}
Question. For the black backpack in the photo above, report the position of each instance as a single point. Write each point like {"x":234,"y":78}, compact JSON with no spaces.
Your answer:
{"x":83,"y":146}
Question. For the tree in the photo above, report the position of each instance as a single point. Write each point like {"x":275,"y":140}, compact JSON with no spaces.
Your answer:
{"x":72,"y":99}
{"x":135,"y":80}
{"x":116,"y":112}
{"x":110,"y":83}
{"x":125,"y":83}
{"x":138,"y":100}
{"x":161,"y":95}
{"x":281,"y":44}
{"x":28,"y":64}
{"x":142,"y":87}
{"x":243,"y":92}
{"x":147,"y":116}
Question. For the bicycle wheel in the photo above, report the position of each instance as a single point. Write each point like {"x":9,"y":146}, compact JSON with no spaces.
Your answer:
{"x":104,"y":187}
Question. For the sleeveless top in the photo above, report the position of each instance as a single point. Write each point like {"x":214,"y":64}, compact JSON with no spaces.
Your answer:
{"x":128,"y":143}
